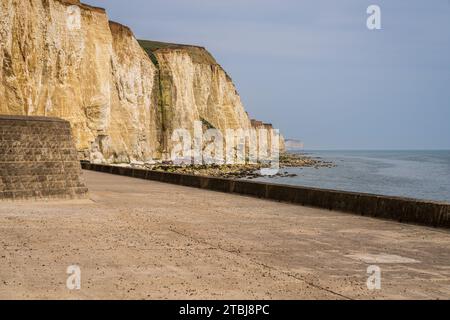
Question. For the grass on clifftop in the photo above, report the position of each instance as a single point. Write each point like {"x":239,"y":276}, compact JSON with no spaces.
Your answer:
{"x":198,"y":54}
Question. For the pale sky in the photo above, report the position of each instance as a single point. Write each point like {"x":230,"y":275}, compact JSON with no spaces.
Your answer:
{"x":314,"y":70}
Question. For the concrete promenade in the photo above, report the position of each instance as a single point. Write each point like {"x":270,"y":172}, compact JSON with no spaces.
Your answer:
{"x":141,"y":239}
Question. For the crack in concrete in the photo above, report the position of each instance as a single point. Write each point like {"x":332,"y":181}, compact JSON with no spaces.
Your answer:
{"x":237,"y":253}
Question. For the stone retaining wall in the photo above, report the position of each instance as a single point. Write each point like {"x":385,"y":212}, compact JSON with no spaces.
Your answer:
{"x":433,"y":214}
{"x":38,"y":159}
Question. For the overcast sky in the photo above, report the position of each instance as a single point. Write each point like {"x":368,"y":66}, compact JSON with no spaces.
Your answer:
{"x":313,"y":69}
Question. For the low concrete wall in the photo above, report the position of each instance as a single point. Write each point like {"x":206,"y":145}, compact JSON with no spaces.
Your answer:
{"x":405,"y":210}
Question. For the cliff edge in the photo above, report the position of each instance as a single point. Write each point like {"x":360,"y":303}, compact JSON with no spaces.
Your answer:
{"x":123,"y":98}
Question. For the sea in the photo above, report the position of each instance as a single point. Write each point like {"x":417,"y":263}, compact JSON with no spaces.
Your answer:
{"x":413,"y":174}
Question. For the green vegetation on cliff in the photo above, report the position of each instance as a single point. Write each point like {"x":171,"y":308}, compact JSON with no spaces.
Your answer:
{"x":198,"y":54}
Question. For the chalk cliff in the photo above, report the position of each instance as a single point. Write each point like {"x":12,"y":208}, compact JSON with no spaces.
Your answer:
{"x":194,"y":87}
{"x":61,"y":58}
{"x":64,"y":59}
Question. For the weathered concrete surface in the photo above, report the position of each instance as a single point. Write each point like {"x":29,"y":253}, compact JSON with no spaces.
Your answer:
{"x":426,"y":213}
{"x":144,"y":239}
{"x":38,"y":159}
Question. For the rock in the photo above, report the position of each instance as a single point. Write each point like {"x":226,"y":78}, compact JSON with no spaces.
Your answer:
{"x":137,"y":163}
{"x":194,"y":87}
{"x":65,"y":59}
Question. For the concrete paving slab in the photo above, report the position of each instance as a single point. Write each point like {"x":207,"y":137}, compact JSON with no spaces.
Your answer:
{"x":140,"y":239}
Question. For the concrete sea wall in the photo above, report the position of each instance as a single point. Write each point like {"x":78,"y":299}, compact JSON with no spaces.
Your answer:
{"x":432,"y":214}
{"x":38,"y":159}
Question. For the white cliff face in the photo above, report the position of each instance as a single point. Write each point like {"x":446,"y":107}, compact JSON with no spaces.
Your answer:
{"x":195,"y":88}
{"x":201,"y":90}
{"x":64,"y":59}
{"x":55,"y":62}
{"x":61,"y":58}
{"x":135,"y":121}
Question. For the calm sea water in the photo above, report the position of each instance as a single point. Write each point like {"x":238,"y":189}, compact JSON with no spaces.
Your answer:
{"x":414,"y":174}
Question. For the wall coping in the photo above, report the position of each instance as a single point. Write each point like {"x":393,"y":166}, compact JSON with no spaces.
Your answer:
{"x":30,"y":118}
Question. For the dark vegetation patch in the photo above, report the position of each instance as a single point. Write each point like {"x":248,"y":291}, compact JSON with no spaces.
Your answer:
{"x":198,"y":54}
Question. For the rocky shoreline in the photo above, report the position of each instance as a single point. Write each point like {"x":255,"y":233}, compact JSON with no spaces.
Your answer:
{"x":247,"y":171}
